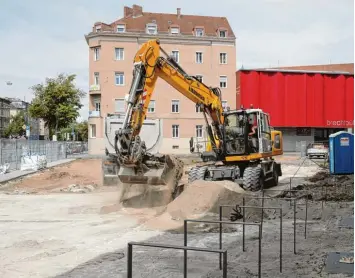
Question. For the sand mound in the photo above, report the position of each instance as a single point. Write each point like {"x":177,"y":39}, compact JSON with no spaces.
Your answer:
{"x":199,"y":199}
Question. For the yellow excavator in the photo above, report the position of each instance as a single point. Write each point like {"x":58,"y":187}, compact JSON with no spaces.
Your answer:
{"x":242,"y":143}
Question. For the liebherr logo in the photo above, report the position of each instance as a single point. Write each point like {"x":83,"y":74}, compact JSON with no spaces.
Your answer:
{"x":192,"y":90}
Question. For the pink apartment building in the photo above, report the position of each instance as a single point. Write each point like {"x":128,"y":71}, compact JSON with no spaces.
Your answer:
{"x":203,"y":45}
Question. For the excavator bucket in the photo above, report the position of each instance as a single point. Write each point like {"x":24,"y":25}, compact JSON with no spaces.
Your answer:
{"x":157,"y":174}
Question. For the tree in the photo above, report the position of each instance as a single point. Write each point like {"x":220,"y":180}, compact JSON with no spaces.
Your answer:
{"x":82,"y":130}
{"x":15,"y":128}
{"x":57,"y":101}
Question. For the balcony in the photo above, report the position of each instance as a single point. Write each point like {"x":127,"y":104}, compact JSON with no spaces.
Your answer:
{"x":95,"y":89}
{"x":94,"y":113}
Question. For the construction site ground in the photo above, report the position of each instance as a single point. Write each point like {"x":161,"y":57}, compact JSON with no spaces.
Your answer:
{"x":61,"y":222}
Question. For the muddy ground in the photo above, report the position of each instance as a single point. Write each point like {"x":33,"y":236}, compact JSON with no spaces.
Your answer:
{"x":323,"y":236}
{"x":50,"y":229}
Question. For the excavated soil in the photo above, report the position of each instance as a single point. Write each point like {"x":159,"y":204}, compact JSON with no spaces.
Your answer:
{"x":199,"y":199}
{"x":77,"y":174}
{"x":325,"y":187}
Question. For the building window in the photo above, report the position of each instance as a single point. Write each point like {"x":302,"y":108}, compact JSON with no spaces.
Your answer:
{"x":119,"y":54}
{"x":96,"y":78}
{"x":199,"y":78}
{"x":199,"y":32}
{"x":174,"y":30}
{"x":119,"y":105}
{"x":223,"y":58}
{"x":175,"y":106}
{"x":98,"y":28}
{"x":222,"y":33}
{"x":119,"y":78}
{"x":151,"y":29}
{"x":223,"y":81}
{"x":93,"y":131}
{"x":175,"y":55}
{"x":96,"y":53}
{"x":224,"y":104}
{"x":199,"y":131}
{"x":97,"y":106}
{"x":199,"y":57}
{"x":175,"y":130}
{"x":151,"y":106}
{"x":121,"y":28}
{"x":198,"y":109}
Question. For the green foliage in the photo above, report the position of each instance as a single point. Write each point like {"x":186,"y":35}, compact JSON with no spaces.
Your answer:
{"x":83,"y":132}
{"x":80,"y":129}
{"x":15,"y":128}
{"x":57,"y":101}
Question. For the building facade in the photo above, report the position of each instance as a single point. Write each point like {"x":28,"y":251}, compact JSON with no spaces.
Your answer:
{"x":4,"y":115}
{"x":38,"y":130}
{"x":306,"y":105}
{"x":203,"y":46}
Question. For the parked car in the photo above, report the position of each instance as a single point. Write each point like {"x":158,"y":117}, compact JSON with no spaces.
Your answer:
{"x":318,"y":149}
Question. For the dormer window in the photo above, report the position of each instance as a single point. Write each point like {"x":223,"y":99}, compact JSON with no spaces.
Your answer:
{"x":199,"y":32}
{"x":174,"y":30}
{"x":151,"y":29}
{"x":222,"y":33}
{"x":98,"y":28}
{"x":121,"y":28}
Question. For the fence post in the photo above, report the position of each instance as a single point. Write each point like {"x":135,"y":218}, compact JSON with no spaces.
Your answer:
{"x":1,"y":150}
{"x":16,"y":154}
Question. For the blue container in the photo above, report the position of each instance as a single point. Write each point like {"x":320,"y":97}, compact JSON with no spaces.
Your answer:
{"x":341,"y":153}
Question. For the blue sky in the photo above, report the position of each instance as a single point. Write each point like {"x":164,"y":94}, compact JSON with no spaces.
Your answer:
{"x":41,"y":38}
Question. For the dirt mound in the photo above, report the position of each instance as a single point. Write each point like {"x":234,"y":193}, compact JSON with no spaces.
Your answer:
{"x":199,"y":199}
{"x":319,"y":176}
{"x":328,"y":187}
{"x":82,"y":172}
{"x":57,"y":175}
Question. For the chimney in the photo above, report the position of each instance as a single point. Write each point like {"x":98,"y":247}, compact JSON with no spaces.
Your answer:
{"x":137,"y":10}
{"x":127,"y":11}
{"x":178,"y":12}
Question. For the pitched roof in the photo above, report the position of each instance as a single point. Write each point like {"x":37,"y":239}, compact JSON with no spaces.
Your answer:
{"x":187,"y":23}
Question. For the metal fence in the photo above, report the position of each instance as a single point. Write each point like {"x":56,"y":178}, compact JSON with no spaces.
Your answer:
{"x":12,"y":150}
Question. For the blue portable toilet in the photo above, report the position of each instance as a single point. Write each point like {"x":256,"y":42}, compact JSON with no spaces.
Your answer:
{"x":341,"y":153}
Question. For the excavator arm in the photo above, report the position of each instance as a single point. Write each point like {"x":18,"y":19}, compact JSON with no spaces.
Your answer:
{"x":150,"y":63}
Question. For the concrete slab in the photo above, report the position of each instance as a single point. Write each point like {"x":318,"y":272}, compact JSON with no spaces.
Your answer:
{"x":19,"y":174}
{"x":334,"y":266}
{"x":347,"y":223}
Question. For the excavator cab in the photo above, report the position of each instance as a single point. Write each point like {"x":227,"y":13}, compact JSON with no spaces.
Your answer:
{"x":246,"y":132}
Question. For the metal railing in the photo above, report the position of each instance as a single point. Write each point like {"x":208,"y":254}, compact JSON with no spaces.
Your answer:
{"x":176,"y":247}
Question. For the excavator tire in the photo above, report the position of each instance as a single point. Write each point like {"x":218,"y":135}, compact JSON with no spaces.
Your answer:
{"x":197,"y":173}
{"x":253,"y":178}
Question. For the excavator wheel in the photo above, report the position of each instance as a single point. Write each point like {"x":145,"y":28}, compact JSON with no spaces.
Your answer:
{"x":197,"y":173}
{"x":253,"y":178}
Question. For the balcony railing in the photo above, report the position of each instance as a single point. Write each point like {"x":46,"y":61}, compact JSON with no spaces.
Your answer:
{"x":94,"y":113}
{"x":94,"y":89}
